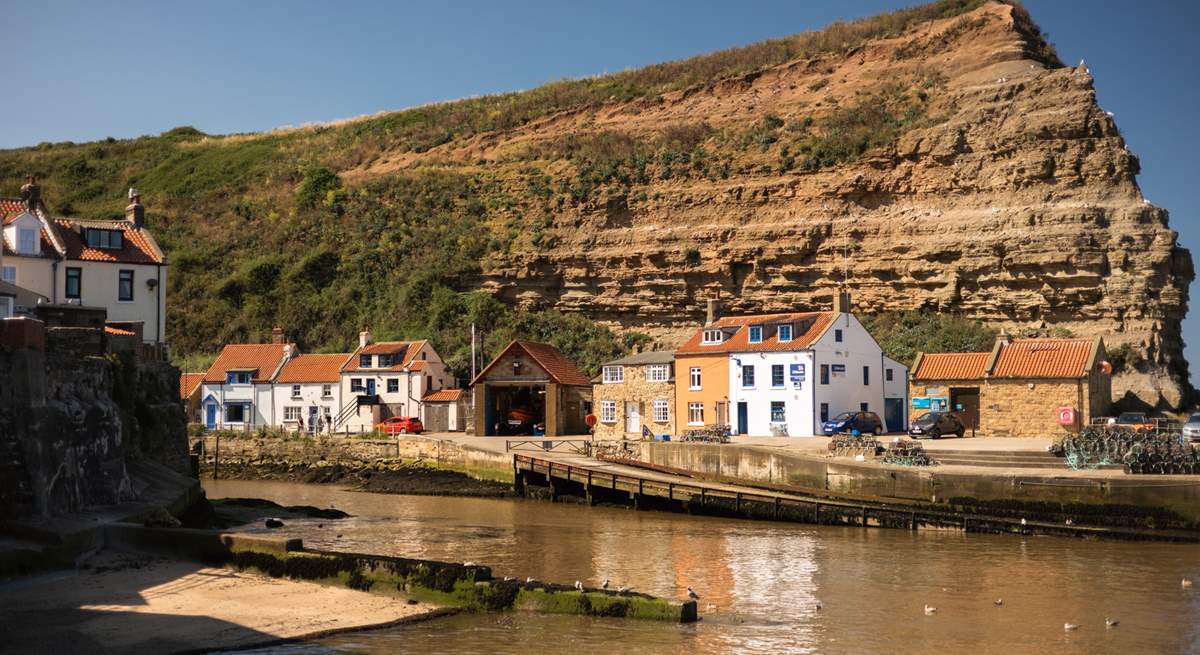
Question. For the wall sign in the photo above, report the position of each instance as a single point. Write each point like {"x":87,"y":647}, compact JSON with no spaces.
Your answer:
{"x":838,"y":370}
{"x":797,"y":375}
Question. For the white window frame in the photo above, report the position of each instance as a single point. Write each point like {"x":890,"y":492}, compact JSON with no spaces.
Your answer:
{"x":888,"y":376}
{"x":608,"y":411}
{"x":754,"y":334}
{"x":694,"y":379}
{"x":27,"y":241}
{"x":786,"y":328}
{"x":295,"y":391}
{"x":291,"y":413}
{"x":9,"y":274}
{"x":695,"y":413}
{"x":326,"y":390}
{"x":614,"y":374}
{"x":753,"y":376}
{"x":783,"y":380}
{"x":713,"y":337}
{"x":662,"y":411}
{"x":771,"y":410}
{"x":658,"y":373}
{"x":364,"y":361}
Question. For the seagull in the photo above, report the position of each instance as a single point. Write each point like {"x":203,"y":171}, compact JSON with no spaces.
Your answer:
{"x":529,"y":580}
{"x":604,"y":585}
{"x":468,"y":563}
{"x":692,"y":594}
{"x":1022,"y":521}
{"x":1109,"y":623}
{"x":579,"y":585}
{"x":818,"y":605}
{"x":1070,"y":626}
{"x":929,"y":610}
{"x":999,"y":602}
{"x":1185,"y":583}
{"x":509,"y":578}
{"x":623,"y":590}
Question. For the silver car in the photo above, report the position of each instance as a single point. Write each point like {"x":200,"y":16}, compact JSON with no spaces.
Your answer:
{"x":1191,"y":429}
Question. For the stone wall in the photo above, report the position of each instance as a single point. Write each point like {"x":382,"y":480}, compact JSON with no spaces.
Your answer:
{"x":634,"y":389}
{"x":1028,"y":408}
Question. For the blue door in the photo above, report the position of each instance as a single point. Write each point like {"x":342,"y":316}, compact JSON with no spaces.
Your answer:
{"x":370,"y":387}
{"x":743,"y":418}
{"x":210,"y":415}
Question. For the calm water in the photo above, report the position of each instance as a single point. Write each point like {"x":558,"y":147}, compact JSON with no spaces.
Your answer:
{"x":763,"y":581}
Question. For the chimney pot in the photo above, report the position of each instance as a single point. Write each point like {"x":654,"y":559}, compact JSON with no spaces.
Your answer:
{"x":135,"y":213}
{"x":277,"y":335}
{"x":31,"y":193}
{"x":364,"y":338}
{"x":841,"y":301}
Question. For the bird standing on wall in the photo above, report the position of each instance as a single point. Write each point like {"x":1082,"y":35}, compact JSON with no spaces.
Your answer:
{"x":692,"y":594}
{"x":579,"y":585}
{"x":604,"y":585}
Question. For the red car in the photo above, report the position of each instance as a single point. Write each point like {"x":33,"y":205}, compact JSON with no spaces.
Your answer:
{"x":401,"y":425}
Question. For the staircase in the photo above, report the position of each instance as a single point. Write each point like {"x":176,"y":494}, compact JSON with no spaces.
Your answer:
{"x":351,"y":408}
{"x":1024,"y":459}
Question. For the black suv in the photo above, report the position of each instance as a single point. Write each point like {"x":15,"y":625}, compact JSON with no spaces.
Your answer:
{"x":936,"y":424}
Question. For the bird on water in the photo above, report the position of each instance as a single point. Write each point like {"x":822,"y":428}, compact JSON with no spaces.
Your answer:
{"x":1109,"y":623}
{"x":999,"y":602}
{"x":929,"y":610}
{"x":1185,"y":583}
{"x":1070,"y":626}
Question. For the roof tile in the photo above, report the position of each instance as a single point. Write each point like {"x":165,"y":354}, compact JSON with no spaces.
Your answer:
{"x":188,"y":383}
{"x":313,"y":368}
{"x":807,"y":328}
{"x":443,"y":396}
{"x":263,"y":358}
{"x":136,"y":245}
{"x":560,"y":369}
{"x":1043,"y":358}
{"x":952,"y":366}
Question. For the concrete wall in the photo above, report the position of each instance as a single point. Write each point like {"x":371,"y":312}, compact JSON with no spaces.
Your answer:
{"x":640,"y":392}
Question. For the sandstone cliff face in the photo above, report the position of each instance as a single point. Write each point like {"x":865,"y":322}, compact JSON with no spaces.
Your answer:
{"x":1016,"y":203}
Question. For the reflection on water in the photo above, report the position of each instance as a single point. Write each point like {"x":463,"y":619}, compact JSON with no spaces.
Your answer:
{"x":760,"y":582}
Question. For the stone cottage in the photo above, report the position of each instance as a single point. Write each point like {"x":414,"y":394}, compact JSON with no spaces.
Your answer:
{"x":635,"y":393}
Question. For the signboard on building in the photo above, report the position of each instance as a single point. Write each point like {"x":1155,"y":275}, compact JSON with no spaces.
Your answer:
{"x":920,"y":402}
{"x":838,"y":370}
{"x":797,"y":375}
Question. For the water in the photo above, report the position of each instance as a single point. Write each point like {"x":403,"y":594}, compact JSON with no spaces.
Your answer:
{"x":764,"y":581}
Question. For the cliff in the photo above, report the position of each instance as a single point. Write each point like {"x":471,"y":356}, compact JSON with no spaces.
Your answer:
{"x":940,"y":159}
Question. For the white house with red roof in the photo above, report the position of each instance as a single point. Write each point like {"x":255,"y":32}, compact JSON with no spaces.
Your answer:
{"x":308,"y":392}
{"x":385,"y":379}
{"x":238,"y":389}
{"x":116,"y":265}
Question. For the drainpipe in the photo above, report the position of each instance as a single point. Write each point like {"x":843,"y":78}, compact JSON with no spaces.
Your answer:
{"x":54,"y":282}
{"x":160,"y":292}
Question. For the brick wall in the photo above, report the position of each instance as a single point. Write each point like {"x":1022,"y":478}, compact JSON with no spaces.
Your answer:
{"x":634,"y":389}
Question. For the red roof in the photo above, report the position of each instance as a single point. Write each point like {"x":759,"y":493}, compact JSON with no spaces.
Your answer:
{"x":560,"y":369}
{"x":188,"y":383}
{"x":1044,"y":358}
{"x":408,"y":350}
{"x":115,"y":331}
{"x":262,"y":358}
{"x":443,"y":396}
{"x":137,"y":246}
{"x":10,"y":208}
{"x":313,"y":368}
{"x":807,"y":327}
{"x":952,"y":366}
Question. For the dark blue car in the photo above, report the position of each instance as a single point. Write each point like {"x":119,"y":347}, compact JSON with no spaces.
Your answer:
{"x":854,"y":423}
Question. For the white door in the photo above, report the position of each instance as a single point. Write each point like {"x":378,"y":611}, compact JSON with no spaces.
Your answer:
{"x":633,"y":418}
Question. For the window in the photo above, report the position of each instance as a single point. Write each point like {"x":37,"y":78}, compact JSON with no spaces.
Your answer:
{"x":614,"y":374}
{"x":27,"y":241}
{"x":837,"y":336}
{"x":6,"y":306}
{"x":393,"y":385}
{"x":824,"y":412}
{"x":356,"y":384}
{"x":74,"y":283}
{"x":824,"y":373}
{"x":291,"y":413}
{"x":608,"y":411}
{"x":385,"y":361}
{"x":295,"y":391}
{"x":658,"y":373}
{"x":747,"y":377}
{"x":423,"y":356}
{"x":364,"y":361}
{"x":428,"y":384}
{"x":662,"y":411}
{"x":9,"y":274}
{"x":755,"y":334}
{"x":695,"y":413}
{"x":777,"y":376}
{"x":107,"y":239}
{"x":866,"y":407}
{"x":777,"y":412}
{"x":125,"y":286}
{"x":326,"y":390}
{"x":235,"y":413}
{"x":866,"y":375}
{"x":237,"y":377}
{"x":695,"y":377}
{"x":785,"y":332}
{"x":887,"y":374}
{"x":713,"y":336}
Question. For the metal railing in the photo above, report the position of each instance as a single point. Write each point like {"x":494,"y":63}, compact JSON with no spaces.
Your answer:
{"x":578,"y":446}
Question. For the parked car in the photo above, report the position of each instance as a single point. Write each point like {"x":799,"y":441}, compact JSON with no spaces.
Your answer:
{"x":1191,"y":429}
{"x":936,"y":424}
{"x":861,"y":422}
{"x":401,"y":425}
{"x":1136,"y":421}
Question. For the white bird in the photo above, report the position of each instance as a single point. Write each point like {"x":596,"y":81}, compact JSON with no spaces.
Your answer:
{"x":579,"y":585}
{"x":468,"y":563}
{"x":1109,"y":114}
{"x":623,"y":590}
{"x":999,"y":602}
{"x":1070,"y":626}
{"x":929,"y":610}
{"x":1109,"y":623}
{"x":529,"y":580}
{"x":692,"y":594}
{"x":604,"y":585}
{"x":509,"y":578}
{"x":1185,"y":583}
{"x":1022,"y":521}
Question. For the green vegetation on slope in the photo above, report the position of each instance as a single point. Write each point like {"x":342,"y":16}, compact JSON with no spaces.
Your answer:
{"x":904,"y":334}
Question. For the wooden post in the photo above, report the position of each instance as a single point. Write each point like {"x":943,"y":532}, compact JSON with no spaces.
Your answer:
{"x":217,"y":455}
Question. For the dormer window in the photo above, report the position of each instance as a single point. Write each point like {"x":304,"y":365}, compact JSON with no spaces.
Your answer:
{"x":237,"y":377}
{"x":106,"y":239}
{"x":785,"y":332}
{"x":27,"y":241}
{"x":713,"y":336}
{"x":755,"y":334}
{"x":364,"y":361}
{"x":385,"y":361}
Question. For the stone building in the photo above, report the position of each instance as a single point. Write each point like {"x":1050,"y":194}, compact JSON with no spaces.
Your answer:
{"x":1022,"y":388}
{"x":531,"y":388}
{"x":633,"y":393}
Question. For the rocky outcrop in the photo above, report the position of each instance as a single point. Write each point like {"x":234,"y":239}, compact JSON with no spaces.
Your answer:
{"x":1014,"y":200}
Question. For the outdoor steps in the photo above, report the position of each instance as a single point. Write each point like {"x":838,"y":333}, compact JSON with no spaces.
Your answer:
{"x":1026,"y":459}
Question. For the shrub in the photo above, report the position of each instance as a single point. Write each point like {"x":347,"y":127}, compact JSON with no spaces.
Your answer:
{"x":316,"y":185}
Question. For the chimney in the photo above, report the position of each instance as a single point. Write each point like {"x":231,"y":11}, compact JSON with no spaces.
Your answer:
{"x":364,"y":338}
{"x":135,"y":213}
{"x":841,"y":301}
{"x":714,"y":311}
{"x":31,"y":193}
{"x":277,"y":335}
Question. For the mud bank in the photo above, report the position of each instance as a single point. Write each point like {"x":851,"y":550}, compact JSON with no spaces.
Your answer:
{"x":385,"y":476}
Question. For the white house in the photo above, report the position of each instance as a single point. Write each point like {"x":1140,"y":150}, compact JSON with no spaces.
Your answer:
{"x":895,"y":395}
{"x":238,"y":389}
{"x":385,"y":379}
{"x":789,"y":372}
{"x":308,"y":392}
{"x":116,"y":265}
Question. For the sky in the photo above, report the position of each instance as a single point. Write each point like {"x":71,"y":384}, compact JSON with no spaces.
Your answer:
{"x":89,"y":70}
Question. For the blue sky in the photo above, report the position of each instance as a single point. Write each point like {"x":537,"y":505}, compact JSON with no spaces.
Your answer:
{"x":86,"y":71}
